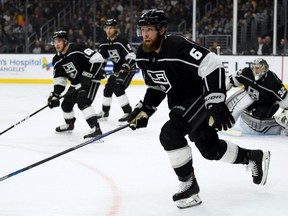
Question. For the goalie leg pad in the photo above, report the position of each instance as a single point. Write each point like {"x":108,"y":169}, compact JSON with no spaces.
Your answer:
{"x":254,"y":125}
{"x":282,"y":119}
{"x":238,"y":102}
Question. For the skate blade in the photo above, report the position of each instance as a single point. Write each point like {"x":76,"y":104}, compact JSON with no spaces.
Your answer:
{"x":64,"y":132}
{"x":97,"y":141}
{"x":103,"y":119}
{"x":189,"y":202}
{"x":265,"y":164}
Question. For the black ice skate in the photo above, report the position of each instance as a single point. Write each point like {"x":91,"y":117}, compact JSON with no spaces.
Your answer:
{"x":124,"y":118}
{"x":188,"y":196}
{"x":67,"y":127}
{"x":259,"y":164}
{"x":95,"y":131}
{"x":102,"y":115}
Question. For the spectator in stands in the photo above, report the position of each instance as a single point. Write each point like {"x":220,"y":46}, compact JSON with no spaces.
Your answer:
{"x":3,"y":48}
{"x":81,"y":38}
{"x":28,"y":26}
{"x":3,"y":37}
{"x":90,"y":43}
{"x":7,"y":25}
{"x":19,"y":18}
{"x":38,"y":48}
{"x":74,"y":23}
{"x":261,"y":48}
{"x":71,"y":36}
{"x":48,"y":49}
{"x":282,"y":47}
{"x":267,"y":41}
{"x":11,"y":41}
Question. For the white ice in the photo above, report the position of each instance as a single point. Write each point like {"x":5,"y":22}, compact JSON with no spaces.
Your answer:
{"x":128,"y":174}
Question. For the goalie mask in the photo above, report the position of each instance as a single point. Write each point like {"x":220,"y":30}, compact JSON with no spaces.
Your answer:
{"x":259,"y":68}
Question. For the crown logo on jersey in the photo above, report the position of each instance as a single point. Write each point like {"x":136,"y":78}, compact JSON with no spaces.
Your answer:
{"x":159,"y":77}
{"x":70,"y":69}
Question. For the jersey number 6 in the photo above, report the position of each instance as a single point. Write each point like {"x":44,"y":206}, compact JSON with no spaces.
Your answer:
{"x":195,"y":54}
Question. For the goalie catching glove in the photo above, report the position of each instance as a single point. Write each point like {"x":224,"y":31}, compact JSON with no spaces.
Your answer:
{"x":218,"y":112}
{"x":140,"y":115}
{"x":53,"y":100}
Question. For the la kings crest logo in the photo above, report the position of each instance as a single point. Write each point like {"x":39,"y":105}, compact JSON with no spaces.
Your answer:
{"x":159,"y":77}
{"x":114,"y":55}
{"x":253,"y":93}
{"x":70,"y":69}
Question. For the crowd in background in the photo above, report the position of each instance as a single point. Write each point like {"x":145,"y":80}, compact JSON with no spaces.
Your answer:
{"x":213,"y":17}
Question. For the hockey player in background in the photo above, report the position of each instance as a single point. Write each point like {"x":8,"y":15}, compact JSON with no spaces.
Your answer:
{"x":193,"y":79}
{"x":256,"y":104}
{"x":75,"y":63}
{"x":118,"y":50}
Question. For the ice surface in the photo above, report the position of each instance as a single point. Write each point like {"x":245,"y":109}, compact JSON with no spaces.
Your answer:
{"x":127,"y":175}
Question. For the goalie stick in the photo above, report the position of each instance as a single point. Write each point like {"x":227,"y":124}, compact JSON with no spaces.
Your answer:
{"x":233,"y":132}
{"x":68,"y":93}
{"x":230,"y":131}
{"x":63,"y":152}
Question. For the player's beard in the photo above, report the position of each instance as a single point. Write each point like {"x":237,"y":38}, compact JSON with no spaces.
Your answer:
{"x":151,"y":47}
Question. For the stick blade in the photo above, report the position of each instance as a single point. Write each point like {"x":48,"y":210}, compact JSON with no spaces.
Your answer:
{"x":233,"y":132}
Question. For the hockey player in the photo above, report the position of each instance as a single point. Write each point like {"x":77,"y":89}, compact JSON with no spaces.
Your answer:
{"x":259,"y":100}
{"x":118,"y":50}
{"x":75,"y":63}
{"x":193,"y":79}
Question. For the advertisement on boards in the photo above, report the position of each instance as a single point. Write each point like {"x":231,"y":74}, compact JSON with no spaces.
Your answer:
{"x":38,"y":68}
{"x":35,"y":67}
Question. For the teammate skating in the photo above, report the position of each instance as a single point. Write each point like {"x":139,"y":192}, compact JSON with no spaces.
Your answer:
{"x":193,"y":79}
{"x":79,"y":65}
{"x":118,"y":50}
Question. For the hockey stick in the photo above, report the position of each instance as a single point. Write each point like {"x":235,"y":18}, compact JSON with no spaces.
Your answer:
{"x":125,"y":71}
{"x":68,"y":93}
{"x":230,"y":131}
{"x":63,"y":152}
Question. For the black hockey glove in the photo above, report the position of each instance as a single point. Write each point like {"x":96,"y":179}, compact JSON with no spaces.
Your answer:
{"x":123,"y":69}
{"x":140,"y":115}
{"x":53,"y":100}
{"x":218,"y":113}
{"x":86,"y":80}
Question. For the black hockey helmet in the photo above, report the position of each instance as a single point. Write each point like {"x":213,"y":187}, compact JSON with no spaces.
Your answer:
{"x":153,"y":17}
{"x":111,"y":22}
{"x":60,"y":34}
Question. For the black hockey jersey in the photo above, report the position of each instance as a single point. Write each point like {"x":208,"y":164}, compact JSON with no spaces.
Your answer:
{"x":119,"y":51}
{"x":175,"y":70}
{"x":267,"y":90}
{"x":71,"y":65}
